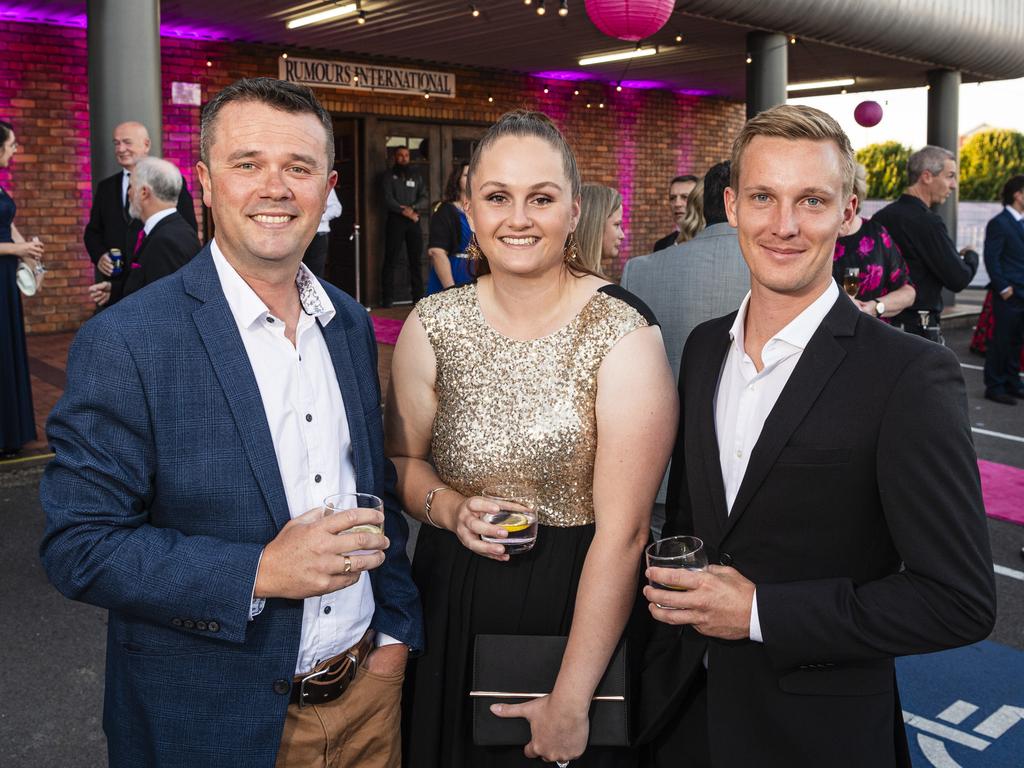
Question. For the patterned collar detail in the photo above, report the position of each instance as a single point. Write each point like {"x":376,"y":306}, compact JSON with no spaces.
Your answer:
{"x":314,"y":299}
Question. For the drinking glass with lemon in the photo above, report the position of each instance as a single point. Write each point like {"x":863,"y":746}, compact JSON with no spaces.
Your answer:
{"x":517,"y":515}
{"x":340,"y":502}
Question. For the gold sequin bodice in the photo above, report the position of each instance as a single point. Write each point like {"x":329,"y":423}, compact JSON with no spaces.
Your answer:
{"x":521,"y":411}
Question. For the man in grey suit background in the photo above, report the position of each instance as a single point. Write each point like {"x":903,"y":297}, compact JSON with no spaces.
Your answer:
{"x":692,"y":282}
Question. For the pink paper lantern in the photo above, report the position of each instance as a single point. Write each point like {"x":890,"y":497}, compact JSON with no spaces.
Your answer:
{"x":629,"y":19}
{"x":868,"y":113}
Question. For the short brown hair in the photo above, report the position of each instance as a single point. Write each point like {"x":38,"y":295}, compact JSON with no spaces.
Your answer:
{"x":277,"y":94}
{"x":790,"y":121}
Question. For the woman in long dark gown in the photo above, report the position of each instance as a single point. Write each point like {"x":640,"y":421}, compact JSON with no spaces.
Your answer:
{"x":17,"y":420}
{"x":544,"y":374}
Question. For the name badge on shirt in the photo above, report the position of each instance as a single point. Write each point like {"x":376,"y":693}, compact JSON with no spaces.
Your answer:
{"x":410,"y":183}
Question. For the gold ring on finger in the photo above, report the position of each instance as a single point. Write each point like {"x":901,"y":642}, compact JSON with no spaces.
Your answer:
{"x":348,"y":564}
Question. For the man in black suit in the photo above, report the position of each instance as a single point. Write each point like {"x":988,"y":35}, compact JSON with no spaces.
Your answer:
{"x":166,"y":242}
{"x":679,"y":190}
{"x":110,"y":222}
{"x":826,"y":461}
{"x":1004,"y":260}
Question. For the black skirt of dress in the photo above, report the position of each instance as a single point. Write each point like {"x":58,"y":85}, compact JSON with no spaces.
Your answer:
{"x":465,"y":595}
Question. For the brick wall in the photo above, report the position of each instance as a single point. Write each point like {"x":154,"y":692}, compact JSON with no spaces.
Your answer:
{"x":635,"y":143}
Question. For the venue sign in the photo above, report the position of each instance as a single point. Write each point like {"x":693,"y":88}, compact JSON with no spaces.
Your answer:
{"x":318,"y":73}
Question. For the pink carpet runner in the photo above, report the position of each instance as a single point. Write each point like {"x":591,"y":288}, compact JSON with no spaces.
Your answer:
{"x":387,"y":330}
{"x":1003,"y":489}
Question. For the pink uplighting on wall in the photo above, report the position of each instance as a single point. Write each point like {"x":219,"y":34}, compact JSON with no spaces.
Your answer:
{"x":563,"y":75}
{"x":9,"y":12}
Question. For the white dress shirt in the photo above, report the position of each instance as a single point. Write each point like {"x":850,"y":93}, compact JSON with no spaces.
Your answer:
{"x":331,"y":211}
{"x":306,"y":415}
{"x":125,"y":181}
{"x":156,"y":218}
{"x":745,"y":396}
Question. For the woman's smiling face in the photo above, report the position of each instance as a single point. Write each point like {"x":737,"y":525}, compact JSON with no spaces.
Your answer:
{"x":521,"y":206}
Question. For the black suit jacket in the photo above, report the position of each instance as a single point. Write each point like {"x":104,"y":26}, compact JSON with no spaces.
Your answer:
{"x":860,"y":521}
{"x":1004,"y":252}
{"x":170,"y":246}
{"x":109,"y":225}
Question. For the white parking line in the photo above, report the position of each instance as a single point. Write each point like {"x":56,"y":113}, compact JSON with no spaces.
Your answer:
{"x":1002,"y":570}
{"x":1002,"y":435}
{"x":979,"y":368}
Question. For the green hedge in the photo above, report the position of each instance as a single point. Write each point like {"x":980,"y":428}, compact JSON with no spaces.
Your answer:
{"x":886,"y":164}
{"x":987,"y":160}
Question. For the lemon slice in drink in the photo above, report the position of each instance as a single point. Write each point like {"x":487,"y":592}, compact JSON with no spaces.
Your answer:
{"x":515,"y":522}
{"x":365,"y":528}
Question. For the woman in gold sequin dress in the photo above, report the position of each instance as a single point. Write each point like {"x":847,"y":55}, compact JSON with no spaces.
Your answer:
{"x":543,"y":374}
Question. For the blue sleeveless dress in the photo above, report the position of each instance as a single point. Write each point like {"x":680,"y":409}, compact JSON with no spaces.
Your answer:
{"x":17,"y":421}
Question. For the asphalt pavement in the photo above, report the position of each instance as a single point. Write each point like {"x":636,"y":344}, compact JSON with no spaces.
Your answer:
{"x":51,"y":681}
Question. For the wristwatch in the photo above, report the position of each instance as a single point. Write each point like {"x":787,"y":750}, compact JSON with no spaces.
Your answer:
{"x":879,"y":309}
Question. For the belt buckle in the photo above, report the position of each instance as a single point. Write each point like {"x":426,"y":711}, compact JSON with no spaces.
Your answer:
{"x":302,"y":686}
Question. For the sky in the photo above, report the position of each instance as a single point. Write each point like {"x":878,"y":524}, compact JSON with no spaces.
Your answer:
{"x":1000,"y":104}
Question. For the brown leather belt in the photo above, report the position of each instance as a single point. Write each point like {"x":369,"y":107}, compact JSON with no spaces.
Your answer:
{"x":330,"y":678}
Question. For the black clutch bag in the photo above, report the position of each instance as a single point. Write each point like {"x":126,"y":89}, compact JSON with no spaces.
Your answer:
{"x":512,"y":669}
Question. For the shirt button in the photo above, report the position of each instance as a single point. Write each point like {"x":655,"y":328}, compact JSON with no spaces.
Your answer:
{"x":739,"y":454}
{"x":309,"y":417}
{"x":327,"y":609}
{"x":317,"y":478}
{"x":270,"y":319}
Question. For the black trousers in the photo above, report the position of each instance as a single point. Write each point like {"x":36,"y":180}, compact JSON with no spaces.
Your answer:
{"x":684,"y":742}
{"x":1002,"y":356}
{"x":399,"y":231}
{"x":315,"y":257}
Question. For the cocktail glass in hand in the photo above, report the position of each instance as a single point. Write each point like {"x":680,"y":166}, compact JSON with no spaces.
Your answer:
{"x":340,"y":502}
{"x":518,"y":516}
{"x":851,"y":281}
{"x":676,"y":552}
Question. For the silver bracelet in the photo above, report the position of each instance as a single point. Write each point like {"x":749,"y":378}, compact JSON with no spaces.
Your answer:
{"x":429,"y":501}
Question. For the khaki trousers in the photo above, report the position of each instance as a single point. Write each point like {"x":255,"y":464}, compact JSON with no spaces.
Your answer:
{"x":359,"y":729}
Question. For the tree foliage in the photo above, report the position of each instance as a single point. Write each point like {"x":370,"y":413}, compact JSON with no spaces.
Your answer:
{"x":886,"y":164}
{"x":987,"y":160}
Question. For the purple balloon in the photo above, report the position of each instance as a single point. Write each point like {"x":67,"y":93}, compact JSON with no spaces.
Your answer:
{"x":868,"y":113}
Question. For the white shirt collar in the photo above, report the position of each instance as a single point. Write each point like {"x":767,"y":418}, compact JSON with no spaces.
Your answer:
{"x":799,"y":330}
{"x":248,"y":308}
{"x":1014,"y":212}
{"x":156,"y":218}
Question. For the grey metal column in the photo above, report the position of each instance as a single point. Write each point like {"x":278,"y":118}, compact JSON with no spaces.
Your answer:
{"x":124,"y":74}
{"x":768,"y":71}
{"x":944,"y":131}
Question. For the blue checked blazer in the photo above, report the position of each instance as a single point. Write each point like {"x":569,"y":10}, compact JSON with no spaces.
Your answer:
{"x":163,"y":492}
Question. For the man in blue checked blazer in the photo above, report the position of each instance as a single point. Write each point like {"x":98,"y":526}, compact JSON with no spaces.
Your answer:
{"x":205,"y":419}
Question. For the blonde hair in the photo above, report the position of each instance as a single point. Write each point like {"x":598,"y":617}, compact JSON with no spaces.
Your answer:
{"x":597,"y":203}
{"x":791,"y":121}
{"x":693,"y":220}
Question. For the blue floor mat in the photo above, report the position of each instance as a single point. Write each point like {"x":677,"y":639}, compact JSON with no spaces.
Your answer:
{"x":964,"y":708}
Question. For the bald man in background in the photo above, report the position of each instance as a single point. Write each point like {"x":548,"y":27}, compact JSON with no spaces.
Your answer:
{"x":110,"y":222}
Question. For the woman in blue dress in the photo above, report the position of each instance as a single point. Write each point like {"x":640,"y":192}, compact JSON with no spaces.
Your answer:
{"x":17,"y":421}
{"x":449,"y":236}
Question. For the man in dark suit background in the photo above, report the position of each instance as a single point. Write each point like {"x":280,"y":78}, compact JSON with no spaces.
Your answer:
{"x":166,"y":242}
{"x":1004,"y":260}
{"x":110,"y":222}
{"x":204,"y":421}
{"x":679,"y":190}
{"x":826,"y":461}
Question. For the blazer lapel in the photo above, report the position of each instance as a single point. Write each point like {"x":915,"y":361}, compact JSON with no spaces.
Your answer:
{"x":817,"y":364}
{"x":1014,"y":225}
{"x":340,"y":336}
{"x":707,"y":433}
{"x":219,"y":333}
